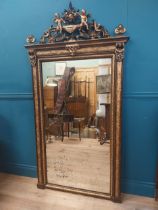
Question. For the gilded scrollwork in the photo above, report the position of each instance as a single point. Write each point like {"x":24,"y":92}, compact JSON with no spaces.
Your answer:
{"x":119,"y":51}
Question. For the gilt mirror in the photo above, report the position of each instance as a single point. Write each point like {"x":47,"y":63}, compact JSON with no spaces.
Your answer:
{"x":77,"y":82}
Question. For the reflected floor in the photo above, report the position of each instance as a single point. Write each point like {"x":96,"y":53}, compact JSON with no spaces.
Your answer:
{"x":81,"y":164}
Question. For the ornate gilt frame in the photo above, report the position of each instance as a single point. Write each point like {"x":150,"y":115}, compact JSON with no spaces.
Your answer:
{"x":104,"y":47}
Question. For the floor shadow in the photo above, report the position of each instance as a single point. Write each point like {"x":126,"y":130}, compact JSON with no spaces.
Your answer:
{"x":6,"y":138}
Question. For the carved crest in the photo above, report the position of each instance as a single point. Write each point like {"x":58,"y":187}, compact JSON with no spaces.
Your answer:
{"x":73,"y":24}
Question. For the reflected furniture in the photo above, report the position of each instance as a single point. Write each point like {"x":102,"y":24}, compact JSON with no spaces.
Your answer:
{"x":52,"y":127}
{"x":107,"y":119}
{"x":78,"y":106}
{"x":55,"y":123}
{"x":50,"y":97}
{"x":79,"y":122}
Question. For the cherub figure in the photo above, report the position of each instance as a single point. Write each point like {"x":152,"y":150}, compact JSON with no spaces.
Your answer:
{"x":59,"y":22}
{"x":84,"y":18}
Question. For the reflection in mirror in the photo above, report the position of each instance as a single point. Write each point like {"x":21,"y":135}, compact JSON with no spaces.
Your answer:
{"x":77,"y":98}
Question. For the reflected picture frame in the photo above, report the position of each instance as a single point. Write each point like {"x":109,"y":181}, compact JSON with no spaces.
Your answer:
{"x":103,"y":84}
{"x":60,"y":68}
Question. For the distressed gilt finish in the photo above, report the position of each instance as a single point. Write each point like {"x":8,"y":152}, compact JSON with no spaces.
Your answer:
{"x":112,"y":47}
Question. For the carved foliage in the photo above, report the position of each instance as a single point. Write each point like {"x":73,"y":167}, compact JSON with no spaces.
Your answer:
{"x":119,"y":51}
{"x":33,"y":58}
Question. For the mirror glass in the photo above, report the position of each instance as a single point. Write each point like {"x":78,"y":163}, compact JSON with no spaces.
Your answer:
{"x":77,"y":104}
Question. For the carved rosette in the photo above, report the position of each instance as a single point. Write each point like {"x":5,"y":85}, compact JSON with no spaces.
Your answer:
{"x":119,"y":51}
{"x":72,"y":48}
{"x":33,"y":58}
{"x":120,"y":29}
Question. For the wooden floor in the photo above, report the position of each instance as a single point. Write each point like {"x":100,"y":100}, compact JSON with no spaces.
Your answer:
{"x":21,"y":193}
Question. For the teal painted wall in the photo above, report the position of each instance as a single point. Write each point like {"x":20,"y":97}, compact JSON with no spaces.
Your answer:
{"x":140,"y":89}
